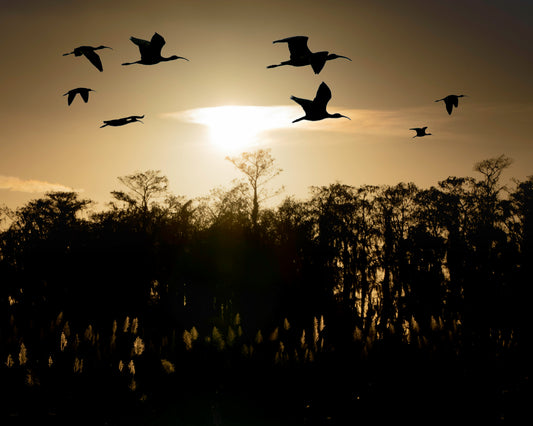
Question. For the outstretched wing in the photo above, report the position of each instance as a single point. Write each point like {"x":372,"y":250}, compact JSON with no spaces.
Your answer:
{"x":145,"y":47}
{"x":139,"y":41}
{"x":93,"y":58}
{"x":297,"y":46}
{"x":449,"y":104}
{"x":85,"y":95}
{"x":157,"y":41}
{"x":455,"y":100}
{"x":318,"y":60}
{"x":71,"y":95}
{"x":323,"y":95}
{"x":306,"y":104}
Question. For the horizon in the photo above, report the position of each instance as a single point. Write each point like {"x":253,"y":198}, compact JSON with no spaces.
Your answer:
{"x":42,"y":189}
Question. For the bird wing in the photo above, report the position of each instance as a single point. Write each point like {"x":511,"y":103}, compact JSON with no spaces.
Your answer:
{"x":297,"y":46}
{"x":318,"y":60}
{"x":93,"y":58}
{"x":139,"y":41}
{"x":157,"y":41}
{"x":455,"y":100}
{"x":71,"y":95}
{"x":117,"y":121}
{"x":306,"y":104}
{"x":84,"y":94}
{"x":449,"y":105}
{"x":323,"y":95}
{"x":145,"y":47}
{"x":150,"y":49}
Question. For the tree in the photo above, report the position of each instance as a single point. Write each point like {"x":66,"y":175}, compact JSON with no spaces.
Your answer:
{"x":144,"y":187}
{"x":259,"y":169}
{"x":488,"y":188}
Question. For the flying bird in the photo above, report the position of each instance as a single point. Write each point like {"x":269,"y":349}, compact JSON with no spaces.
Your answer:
{"x":82,"y":91}
{"x":151,"y":51}
{"x":302,"y":56}
{"x":90,"y":54}
{"x":122,"y":121}
{"x":315,"y":110}
{"x":450,"y":102}
{"x":420,"y":131}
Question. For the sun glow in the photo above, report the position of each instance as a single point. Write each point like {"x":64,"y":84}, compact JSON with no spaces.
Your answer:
{"x":236,"y":127}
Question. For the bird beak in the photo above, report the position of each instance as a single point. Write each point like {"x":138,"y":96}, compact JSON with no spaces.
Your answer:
{"x":345,"y":57}
{"x":345,"y":117}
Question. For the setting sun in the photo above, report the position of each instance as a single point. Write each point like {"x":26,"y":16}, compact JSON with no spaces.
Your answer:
{"x":235,"y":127}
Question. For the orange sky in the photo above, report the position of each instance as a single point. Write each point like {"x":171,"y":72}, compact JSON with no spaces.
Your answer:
{"x":405,"y":55}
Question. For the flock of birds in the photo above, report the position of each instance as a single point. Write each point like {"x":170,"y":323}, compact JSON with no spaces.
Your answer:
{"x":150,"y":55}
{"x":300,"y":56}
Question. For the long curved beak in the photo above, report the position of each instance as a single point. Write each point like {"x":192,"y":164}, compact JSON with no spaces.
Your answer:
{"x":345,"y":57}
{"x":346,"y":117}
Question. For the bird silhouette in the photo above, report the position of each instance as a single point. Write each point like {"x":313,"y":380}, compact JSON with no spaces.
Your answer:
{"x":302,"y":56}
{"x":420,"y":131}
{"x":151,"y":51}
{"x":451,"y":101}
{"x":315,"y":110}
{"x":90,"y":54}
{"x":122,"y":121}
{"x":82,"y":91}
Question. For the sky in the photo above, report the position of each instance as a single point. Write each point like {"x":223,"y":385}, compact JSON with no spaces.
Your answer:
{"x":223,"y":101}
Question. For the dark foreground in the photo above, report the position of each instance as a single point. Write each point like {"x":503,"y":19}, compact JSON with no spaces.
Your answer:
{"x":391,"y":388}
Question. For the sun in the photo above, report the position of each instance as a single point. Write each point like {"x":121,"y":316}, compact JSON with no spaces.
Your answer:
{"x":234,"y":128}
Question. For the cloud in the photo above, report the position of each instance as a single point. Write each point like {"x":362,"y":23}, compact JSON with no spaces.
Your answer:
{"x":259,"y":119}
{"x":233,"y":127}
{"x":12,"y":183}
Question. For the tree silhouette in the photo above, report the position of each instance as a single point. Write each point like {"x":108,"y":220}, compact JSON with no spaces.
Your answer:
{"x":145,"y":187}
{"x":259,"y":169}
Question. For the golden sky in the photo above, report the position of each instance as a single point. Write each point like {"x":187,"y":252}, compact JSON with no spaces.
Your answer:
{"x":405,"y":55}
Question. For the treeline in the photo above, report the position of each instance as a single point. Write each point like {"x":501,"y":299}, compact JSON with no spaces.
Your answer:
{"x":446,"y":270}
